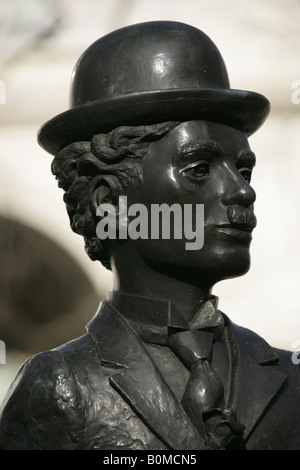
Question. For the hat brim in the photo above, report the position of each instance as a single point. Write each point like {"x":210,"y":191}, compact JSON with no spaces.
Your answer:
{"x":243,"y":110}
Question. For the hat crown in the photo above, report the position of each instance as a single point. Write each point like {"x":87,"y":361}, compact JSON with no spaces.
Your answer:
{"x":149,"y":73}
{"x":147,"y":57}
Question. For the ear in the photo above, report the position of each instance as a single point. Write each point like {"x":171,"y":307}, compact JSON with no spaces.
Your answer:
{"x":104,"y":189}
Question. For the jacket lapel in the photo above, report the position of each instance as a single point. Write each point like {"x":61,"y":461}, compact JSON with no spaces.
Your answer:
{"x":139,"y":381}
{"x":257,"y":377}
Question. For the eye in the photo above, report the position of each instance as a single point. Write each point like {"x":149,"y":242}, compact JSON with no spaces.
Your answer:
{"x":246,"y":174}
{"x":197,"y":170}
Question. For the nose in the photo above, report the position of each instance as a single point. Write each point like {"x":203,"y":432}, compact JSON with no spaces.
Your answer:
{"x":236,"y":189}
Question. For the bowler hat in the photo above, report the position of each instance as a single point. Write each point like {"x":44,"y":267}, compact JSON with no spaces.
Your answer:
{"x":149,"y":73}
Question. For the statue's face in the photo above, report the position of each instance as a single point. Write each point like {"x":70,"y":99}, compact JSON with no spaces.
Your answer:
{"x":206,"y":163}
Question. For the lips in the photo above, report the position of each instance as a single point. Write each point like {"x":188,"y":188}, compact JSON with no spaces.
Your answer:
{"x":241,"y":222}
{"x":241,"y":217}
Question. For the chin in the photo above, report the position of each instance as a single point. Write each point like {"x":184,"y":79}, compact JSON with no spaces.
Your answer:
{"x":228,"y":263}
{"x":211,"y":264}
{"x":237,"y":265}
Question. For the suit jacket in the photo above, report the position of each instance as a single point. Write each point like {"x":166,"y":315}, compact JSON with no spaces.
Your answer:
{"x":93,"y":393}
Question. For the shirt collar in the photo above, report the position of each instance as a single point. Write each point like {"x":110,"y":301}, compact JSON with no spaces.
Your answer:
{"x":155,"y":320}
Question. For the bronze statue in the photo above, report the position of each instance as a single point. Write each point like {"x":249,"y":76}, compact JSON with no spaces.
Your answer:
{"x":153,"y":118}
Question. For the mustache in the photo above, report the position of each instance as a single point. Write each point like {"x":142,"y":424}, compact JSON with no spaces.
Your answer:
{"x":241,"y":217}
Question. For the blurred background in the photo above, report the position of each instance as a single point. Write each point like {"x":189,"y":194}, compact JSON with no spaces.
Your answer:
{"x":49,"y":288}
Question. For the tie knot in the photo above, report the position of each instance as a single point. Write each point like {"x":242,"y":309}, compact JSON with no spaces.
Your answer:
{"x":192,"y":345}
{"x":195,"y":342}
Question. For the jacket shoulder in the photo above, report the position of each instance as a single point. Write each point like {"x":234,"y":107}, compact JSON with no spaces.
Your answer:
{"x":44,"y":400}
{"x":255,"y":346}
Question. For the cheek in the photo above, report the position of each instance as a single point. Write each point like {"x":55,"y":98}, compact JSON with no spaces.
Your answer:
{"x":159,"y":187}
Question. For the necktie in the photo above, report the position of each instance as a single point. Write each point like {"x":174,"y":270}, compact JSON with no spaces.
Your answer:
{"x":203,"y":399}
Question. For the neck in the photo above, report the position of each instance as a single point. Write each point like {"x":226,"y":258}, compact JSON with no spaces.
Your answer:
{"x":144,"y":280}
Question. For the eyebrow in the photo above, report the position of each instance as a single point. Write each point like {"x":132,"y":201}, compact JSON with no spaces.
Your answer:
{"x":186,"y":150}
{"x":246,"y":157}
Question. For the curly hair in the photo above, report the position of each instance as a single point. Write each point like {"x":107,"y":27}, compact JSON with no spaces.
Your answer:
{"x":89,"y":171}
